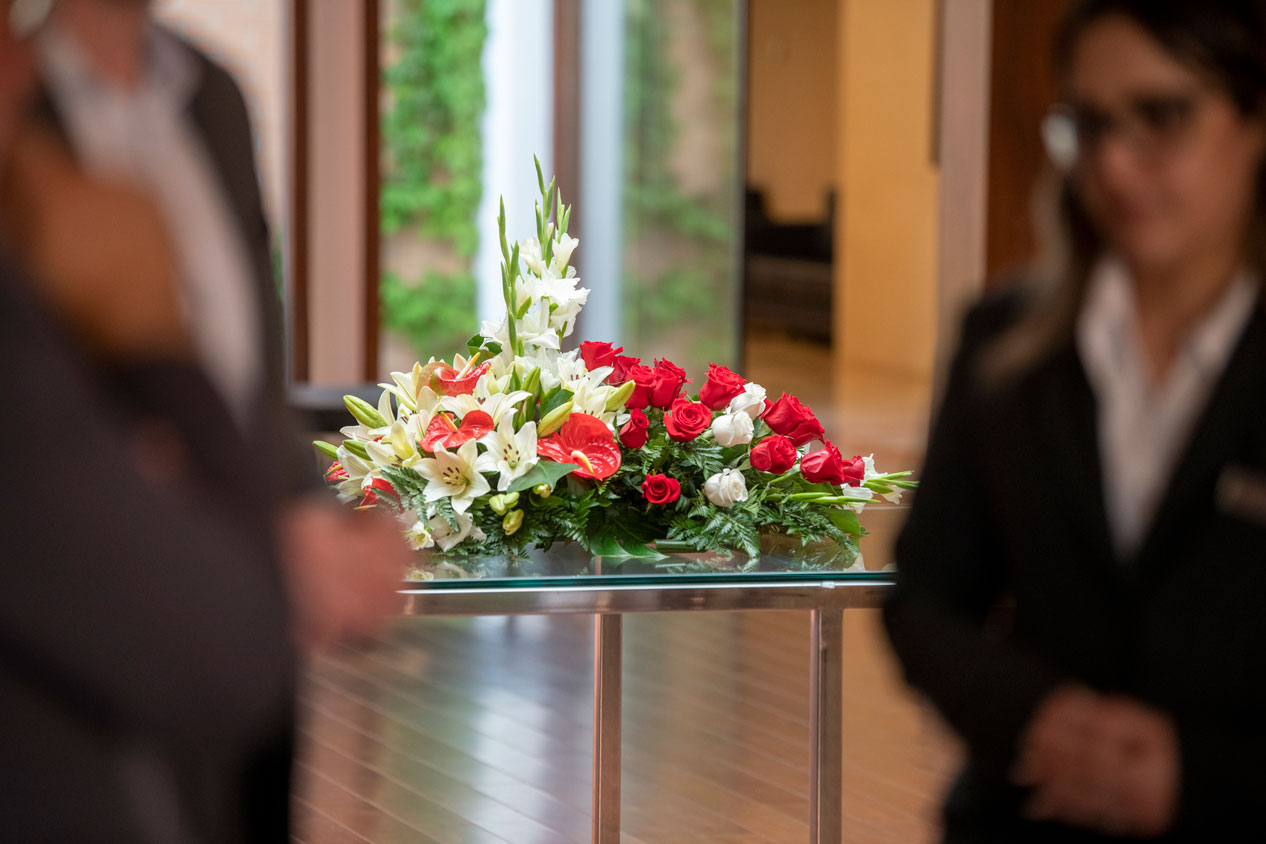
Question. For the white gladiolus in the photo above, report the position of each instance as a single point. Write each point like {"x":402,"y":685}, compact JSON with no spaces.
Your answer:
{"x":733,"y":429}
{"x":751,"y":401}
{"x":562,"y":250}
{"x":726,"y":488}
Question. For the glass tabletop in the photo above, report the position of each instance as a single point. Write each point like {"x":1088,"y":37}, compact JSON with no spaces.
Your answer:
{"x":567,"y":565}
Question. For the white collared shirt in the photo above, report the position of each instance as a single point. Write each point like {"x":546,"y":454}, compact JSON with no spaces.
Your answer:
{"x":144,"y":137}
{"x":1144,"y":423}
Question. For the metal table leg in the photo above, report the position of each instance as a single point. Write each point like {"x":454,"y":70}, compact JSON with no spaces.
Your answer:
{"x":607,"y":645}
{"x":826,"y":689}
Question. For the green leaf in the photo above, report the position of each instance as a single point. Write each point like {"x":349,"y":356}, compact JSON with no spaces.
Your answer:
{"x":623,"y":538}
{"x":847,"y":521}
{"x":544,"y":472}
{"x":554,"y":399}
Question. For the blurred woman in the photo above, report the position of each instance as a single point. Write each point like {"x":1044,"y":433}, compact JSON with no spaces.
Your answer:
{"x":1099,"y":463}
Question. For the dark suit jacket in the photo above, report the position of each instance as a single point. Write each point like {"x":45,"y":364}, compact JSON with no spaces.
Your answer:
{"x":282,"y":467}
{"x":1011,"y":507}
{"x":220,"y":117}
{"x":145,"y":668}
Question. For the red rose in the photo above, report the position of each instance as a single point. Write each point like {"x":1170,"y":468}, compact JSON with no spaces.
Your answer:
{"x":824,"y":466}
{"x":620,"y":369}
{"x":854,"y":471}
{"x":793,"y":420}
{"x":669,"y":379}
{"x":687,"y":420}
{"x":633,"y":435}
{"x":596,"y":355}
{"x":721,"y":386}
{"x":774,"y":454}
{"x":661,"y":489}
{"x":644,"y":378}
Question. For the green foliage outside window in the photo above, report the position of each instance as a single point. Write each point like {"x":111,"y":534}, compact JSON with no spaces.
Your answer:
{"x":433,"y":158}
{"x":690,"y":294}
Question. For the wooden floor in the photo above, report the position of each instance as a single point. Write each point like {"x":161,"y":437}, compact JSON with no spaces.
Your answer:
{"x":479,"y":730}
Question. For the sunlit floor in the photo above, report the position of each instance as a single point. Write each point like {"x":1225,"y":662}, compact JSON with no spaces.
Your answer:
{"x":479,"y":730}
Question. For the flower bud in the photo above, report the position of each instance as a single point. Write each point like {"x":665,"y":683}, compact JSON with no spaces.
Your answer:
{"x":543,"y":490}
{"x":512,"y":522}
{"x":364,"y":413}
{"x":554,"y":420}
{"x":501,"y":503}
{"x":617,"y":398}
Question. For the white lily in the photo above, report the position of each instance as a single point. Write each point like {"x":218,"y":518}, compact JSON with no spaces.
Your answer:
{"x":447,"y":538}
{"x":496,"y":405}
{"x":453,"y":475}
{"x":418,"y":535}
{"x":360,"y":472}
{"x":512,"y":455}
{"x":382,"y":453}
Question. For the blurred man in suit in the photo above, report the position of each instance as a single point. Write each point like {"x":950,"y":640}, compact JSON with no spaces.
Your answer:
{"x":137,"y":104}
{"x":194,"y":480}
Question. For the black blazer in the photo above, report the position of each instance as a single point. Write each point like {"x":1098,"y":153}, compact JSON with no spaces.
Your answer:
{"x":281,"y":466}
{"x":1011,"y":509}
{"x":145,"y":660}
{"x":219,"y":115}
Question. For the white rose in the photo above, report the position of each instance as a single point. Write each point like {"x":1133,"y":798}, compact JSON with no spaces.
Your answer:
{"x":726,"y":488}
{"x":751,"y":401}
{"x":733,"y":429}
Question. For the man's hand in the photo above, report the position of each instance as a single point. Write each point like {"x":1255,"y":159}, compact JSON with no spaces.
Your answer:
{"x":98,"y":253}
{"x":1106,"y":763}
{"x":343,"y":568}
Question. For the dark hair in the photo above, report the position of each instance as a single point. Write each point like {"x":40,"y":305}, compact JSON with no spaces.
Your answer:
{"x":1224,"y":41}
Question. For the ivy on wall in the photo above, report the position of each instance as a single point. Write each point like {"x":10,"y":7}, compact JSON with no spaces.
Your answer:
{"x":697,"y":230}
{"x":433,"y":101}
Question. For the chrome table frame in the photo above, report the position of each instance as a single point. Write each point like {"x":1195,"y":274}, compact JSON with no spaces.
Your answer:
{"x":825,"y":600}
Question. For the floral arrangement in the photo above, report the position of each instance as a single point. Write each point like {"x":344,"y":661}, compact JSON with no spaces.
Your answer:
{"x":519,"y":444}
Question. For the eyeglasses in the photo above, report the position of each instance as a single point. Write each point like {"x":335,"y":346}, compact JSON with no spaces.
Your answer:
{"x":1152,"y":124}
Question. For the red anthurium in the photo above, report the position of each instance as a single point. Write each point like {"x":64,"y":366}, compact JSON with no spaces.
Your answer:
{"x":584,"y":441}
{"x":444,"y":430}
{"x":336,"y":473}
{"x":378,"y":485}
{"x":449,"y":381}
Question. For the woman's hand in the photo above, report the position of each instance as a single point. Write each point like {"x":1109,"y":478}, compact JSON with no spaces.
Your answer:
{"x":1107,"y":763}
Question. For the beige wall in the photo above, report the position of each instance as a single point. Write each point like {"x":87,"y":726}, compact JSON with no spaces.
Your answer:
{"x":791,"y":106}
{"x":886,"y":236}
